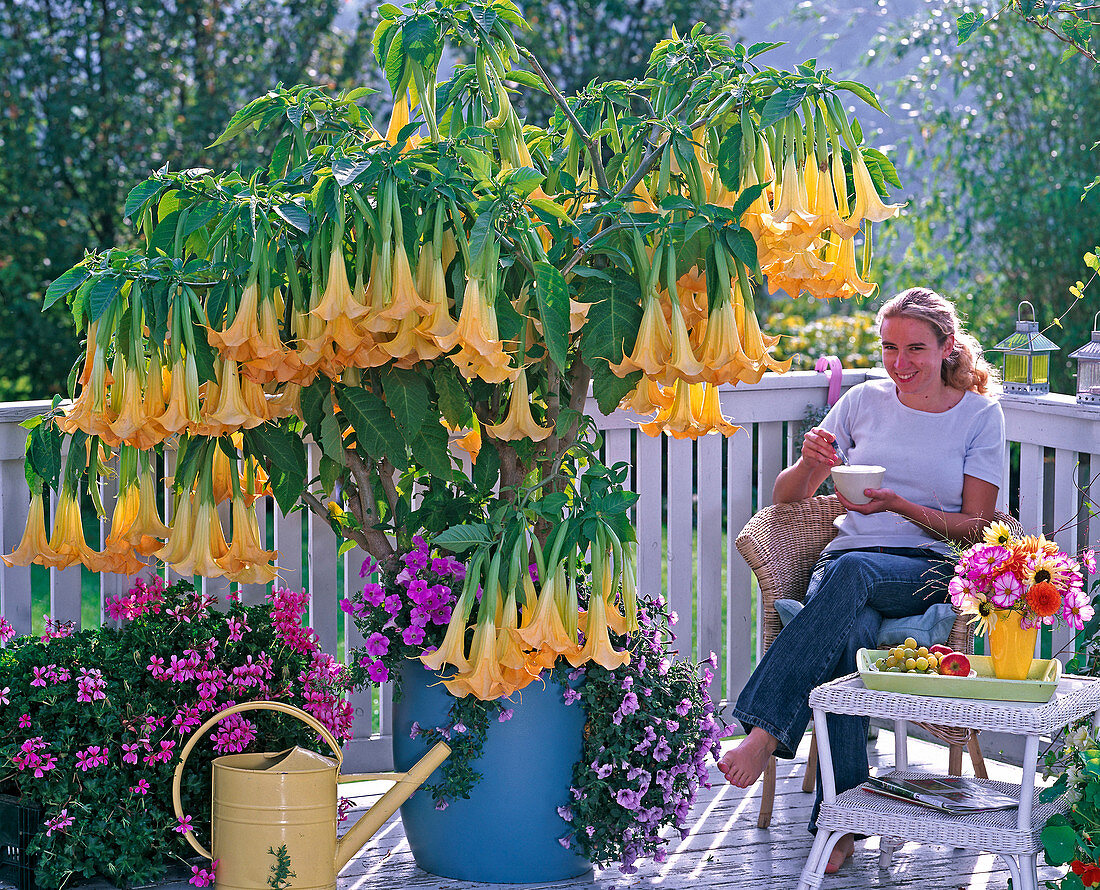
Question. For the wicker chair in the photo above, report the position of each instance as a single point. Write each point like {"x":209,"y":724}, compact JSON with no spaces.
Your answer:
{"x":781,"y":544}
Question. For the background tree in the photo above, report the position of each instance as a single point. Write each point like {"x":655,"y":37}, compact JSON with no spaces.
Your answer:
{"x":97,"y":95}
{"x":995,"y":173}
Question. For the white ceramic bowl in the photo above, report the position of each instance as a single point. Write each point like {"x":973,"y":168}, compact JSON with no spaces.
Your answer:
{"x":850,"y":481}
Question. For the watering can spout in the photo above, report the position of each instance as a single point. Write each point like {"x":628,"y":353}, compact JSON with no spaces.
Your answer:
{"x":363,"y":830}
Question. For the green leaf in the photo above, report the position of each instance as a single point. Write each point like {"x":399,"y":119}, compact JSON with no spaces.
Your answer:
{"x":881,"y":169}
{"x":294,"y":215}
{"x":966,"y":24}
{"x":552,"y":293}
{"x":741,"y":244}
{"x":240,"y":121}
{"x":610,"y":389}
{"x":729,"y":159}
{"x":375,"y":429}
{"x":452,"y":397}
{"x":65,"y":285}
{"x":395,"y":62}
{"x":407,"y":397}
{"x":524,"y":180}
{"x":462,"y":537}
{"x":552,"y":208}
{"x":1059,"y":841}
{"x":332,"y":441}
{"x":479,"y":235}
{"x":420,"y":40}
{"x":285,"y":454}
{"x":863,"y":91}
{"x":140,"y":195}
{"x":527,"y":79}
{"x":780,"y":104}
{"x":614,"y":502}
{"x":431,"y":449}
{"x":164,"y":235}
{"x":312,"y":402}
{"x":613,"y":320}
{"x":745,"y":199}
{"x":486,"y":469}
{"x":347,"y":170}
{"x":102,"y":294}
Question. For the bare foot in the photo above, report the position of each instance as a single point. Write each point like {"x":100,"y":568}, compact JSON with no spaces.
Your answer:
{"x":844,"y":848}
{"x":744,"y":764}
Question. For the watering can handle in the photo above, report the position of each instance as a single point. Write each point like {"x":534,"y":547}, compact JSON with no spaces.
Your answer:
{"x":177,"y":777}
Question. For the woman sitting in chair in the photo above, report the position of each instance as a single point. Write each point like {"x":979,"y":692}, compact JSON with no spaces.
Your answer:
{"x":941,"y":439}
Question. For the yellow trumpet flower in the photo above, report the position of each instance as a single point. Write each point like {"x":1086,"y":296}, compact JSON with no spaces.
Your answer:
{"x":405,"y":300}
{"x":147,"y":528}
{"x":519,"y":424}
{"x":597,"y":643}
{"x":677,"y":420}
{"x":246,"y":561}
{"x":34,"y":547}
{"x":410,"y":344}
{"x":709,"y":414}
{"x":432,"y":283}
{"x":653,"y":346}
{"x":543,"y":629}
{"x":720,"y":353}
{"x":833,"y":200}
{"x":206,"y":545}
{"x":132,"y":424}
{"x":182,"y":409}
{"x":482,"y":352}
{"x":682,"y":364}
{"x":790,"y":206}
{"x":67,"y":540}
{"x":515,"y":669}
{"x":868,"y":205}
{"x":647,"y":397}
{"x":482,"y":678}
{"x":179,"y":533}
{"x":452,"y":650}
{"x":230,"y":413}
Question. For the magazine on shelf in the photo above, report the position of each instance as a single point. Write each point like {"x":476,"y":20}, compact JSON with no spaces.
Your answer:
{"x":952,"y":794}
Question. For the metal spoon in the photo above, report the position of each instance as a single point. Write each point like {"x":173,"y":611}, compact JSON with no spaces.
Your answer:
{"x":840,"y":453}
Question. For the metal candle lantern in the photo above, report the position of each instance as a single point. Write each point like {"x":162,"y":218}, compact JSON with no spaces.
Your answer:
{"x":1088,"y":367}
{"x":1026,"y":356}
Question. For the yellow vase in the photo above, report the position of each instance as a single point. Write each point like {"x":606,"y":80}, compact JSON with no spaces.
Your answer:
{"x":1011,"y":646}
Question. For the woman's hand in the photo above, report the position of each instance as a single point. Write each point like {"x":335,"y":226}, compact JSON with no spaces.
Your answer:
{"x":883,"y":500}
{"x":818,"y":451}
{"x":801,"y":479}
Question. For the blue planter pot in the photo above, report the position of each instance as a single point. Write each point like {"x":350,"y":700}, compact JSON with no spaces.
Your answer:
{"x":507,"y":832}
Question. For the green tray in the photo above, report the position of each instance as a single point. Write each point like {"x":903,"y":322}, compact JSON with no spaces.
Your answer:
{"x":1038,"y":687}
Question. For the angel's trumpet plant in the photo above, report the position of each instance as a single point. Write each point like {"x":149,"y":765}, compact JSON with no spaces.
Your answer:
{"x":34,"y":546}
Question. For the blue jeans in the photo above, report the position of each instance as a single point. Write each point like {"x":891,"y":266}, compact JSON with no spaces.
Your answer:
{"x":849,"y":594}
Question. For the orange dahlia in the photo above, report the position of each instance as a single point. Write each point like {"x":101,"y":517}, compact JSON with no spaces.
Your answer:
{"x":1044,"y":599}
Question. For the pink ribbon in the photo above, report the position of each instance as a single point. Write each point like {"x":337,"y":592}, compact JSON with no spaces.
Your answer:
{"x":833,"y":370}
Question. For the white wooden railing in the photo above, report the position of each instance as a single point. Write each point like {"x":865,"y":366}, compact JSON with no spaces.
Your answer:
{"x":694,"y":498}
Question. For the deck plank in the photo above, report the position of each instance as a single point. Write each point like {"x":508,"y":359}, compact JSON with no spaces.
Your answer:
{"x":723,"y":848}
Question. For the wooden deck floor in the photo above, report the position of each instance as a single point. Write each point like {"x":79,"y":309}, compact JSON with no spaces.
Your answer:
{"x":724,"y":849}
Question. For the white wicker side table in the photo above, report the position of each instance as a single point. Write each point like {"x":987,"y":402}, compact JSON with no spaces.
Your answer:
{"x":1011,"y":834}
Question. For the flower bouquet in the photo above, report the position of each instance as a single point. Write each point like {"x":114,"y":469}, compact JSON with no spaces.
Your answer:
{"x":1027,"y":575}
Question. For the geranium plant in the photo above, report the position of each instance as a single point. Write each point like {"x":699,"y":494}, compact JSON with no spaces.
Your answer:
{"x":1029,"y":575}
{"x":91,"y":722}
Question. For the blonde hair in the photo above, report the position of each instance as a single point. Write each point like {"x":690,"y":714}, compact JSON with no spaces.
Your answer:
{"x":964,"y":367}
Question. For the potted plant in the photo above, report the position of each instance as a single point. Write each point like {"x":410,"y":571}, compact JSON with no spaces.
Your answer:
{"x":461,"y":276}
{"x":91,"y":721}
{"x":587,"y":767}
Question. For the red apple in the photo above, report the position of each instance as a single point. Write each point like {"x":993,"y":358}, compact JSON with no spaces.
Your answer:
{"x":940,"y":649}
{"x":955,"y":664}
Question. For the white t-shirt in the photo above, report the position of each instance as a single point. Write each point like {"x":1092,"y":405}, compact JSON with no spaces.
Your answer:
{"x":925,"y":455}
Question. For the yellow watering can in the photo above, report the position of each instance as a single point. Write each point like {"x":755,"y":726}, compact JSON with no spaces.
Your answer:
{"x":264,"y":801}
